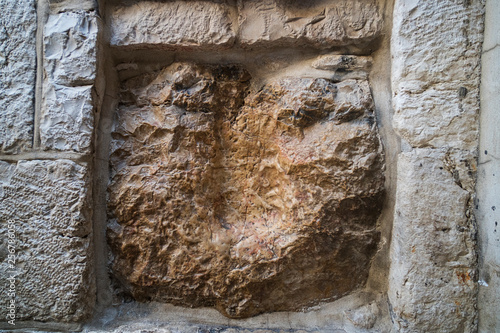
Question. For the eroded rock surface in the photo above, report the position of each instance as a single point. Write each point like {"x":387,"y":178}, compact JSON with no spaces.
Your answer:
{"x":172,"y":24}
{"x":17,"y":74}
{"x":250,"y":201}
{"x":312,"y":23}
{"x":48,"y":203}
{"x":70,"y":60}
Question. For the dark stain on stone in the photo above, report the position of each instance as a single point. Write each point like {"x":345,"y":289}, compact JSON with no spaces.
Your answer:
{"x":462,"y":92}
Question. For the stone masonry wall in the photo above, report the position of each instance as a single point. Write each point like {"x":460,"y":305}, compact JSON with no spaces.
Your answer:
{"x":48,"y":104}
{"x":232,"y":155}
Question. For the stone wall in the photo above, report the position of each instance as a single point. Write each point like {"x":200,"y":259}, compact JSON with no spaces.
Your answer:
{"x":49,"y":100}
{"x":308,"y":165}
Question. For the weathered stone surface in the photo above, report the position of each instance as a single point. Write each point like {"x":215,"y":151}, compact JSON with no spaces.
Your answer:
{"x":345,"y":63}
{"x":365,"y":316}
{"x":251,"y":204}
{"x":49,"y":203}
{"x":172,"y":24}
{"x":309,"y":23}
{"x":432,"y":284}
{"x":67,"y":120}
{"x":59,"y":6}
{"x":17,"y":74}
{"x":436,"y":66}
{"x":191,"y":328}
{"x":67,"y":117}
{"x":70,"y":42}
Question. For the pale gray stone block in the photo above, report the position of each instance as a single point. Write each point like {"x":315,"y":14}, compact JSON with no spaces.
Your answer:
{"x":49,"y":205}
{"x":58,"y":6}
{"x":436,"y":72}
{"x":70,"y":43}
{"x":320,"y":25}
{"x":172,"y":24}
{"x":67,"y":119}
{"x":17,"y":74}
{"x":432,"y":284}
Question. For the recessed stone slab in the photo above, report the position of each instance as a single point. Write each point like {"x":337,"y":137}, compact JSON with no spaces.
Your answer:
{"x":308,"y":23}
{"x":48,"y":203}
{"x":172,"y":24}
{"x":265,"y":202}
{"x":433,"y":269}
{"x":17,"y":74}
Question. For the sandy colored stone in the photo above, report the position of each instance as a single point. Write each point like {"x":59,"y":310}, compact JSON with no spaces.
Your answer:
{"x":49,"y":202}
{"x":265,"y":202}
{"x":436,"y":72}
{"x":17,"y":74}
{"x":70,"y":44}
{"x":432,"y":284}
{"x":308,"y":23}
{"x":172,"y":24}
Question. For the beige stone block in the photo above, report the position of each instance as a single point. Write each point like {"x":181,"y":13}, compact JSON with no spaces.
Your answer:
{"x":48,"y":203}
{"x":70,"y":47}
{"x":435,"y":72}
{"x":172,"y":24}
{"x":432,"y":283}
{"x":67,"y":119}
{"x":303,"y":23}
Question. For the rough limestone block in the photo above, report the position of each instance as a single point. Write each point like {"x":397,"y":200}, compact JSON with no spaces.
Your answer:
{"x":436,"y":70}
{"x":343,"y":63}
{"x":59,"y":6}
{"x":67,"y":119}
{"x":49,"y":203}
{"x":320,"y":25}
{"x":265,"y":202}
{"x":432,"y":285}
{"x":172,"y":24}
{"x":70,"y":42}
{"x":17,"y":74}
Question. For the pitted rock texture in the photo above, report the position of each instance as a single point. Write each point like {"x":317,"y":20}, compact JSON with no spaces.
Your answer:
{"x":310,"y":23}
{"x":433,"y":269}
{"x":70,"y":60}
{"x":172,"y":24}
{"x":70,"y":48}
{"x":347,"y":24}
{"x":436,"y":49}
{"x":67,"y":120}
{"x":250,"y":201}
{"x":17,"y":74}
{"x":49,"y":204}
